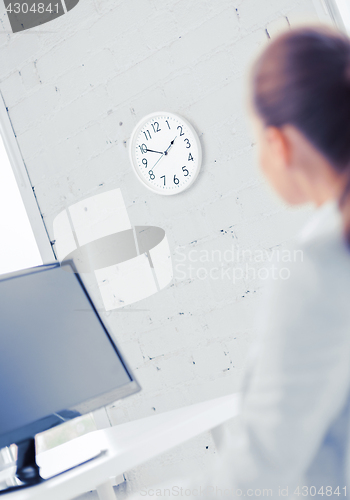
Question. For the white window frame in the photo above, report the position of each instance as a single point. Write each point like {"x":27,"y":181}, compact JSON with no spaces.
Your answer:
{"x":24,"y":185}
{"x":339,"y":12}
{"x":344,"y":12}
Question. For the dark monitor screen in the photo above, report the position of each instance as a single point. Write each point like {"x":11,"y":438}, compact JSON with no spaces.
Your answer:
{"x":57,"y":359}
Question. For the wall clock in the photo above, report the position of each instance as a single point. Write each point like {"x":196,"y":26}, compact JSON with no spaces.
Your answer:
{"x":165,"y":153}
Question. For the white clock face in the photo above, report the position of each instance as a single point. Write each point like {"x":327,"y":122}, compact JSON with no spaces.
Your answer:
{"x":165,"y":152}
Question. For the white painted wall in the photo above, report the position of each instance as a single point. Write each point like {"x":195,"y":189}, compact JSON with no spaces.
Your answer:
{"x":75,"y":88}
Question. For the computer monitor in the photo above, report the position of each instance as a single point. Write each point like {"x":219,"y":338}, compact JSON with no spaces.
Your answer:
{"x":57,"y":357}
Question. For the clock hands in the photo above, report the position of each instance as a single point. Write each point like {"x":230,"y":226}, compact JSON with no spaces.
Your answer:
{"x":163,"y":154}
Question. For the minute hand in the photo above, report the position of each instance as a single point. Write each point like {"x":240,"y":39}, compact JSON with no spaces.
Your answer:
{"x":172,"y":142}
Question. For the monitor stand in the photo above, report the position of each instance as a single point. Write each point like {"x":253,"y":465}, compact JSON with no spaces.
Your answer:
{"x":27,"y":468}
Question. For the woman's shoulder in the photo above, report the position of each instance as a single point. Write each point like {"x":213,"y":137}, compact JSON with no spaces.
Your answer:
{"x":327,"y":255}
{"x":322,"y":244}
{"x":316,"y":288}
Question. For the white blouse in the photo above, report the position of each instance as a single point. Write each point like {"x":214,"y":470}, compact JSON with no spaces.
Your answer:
{"x":294,"y":428}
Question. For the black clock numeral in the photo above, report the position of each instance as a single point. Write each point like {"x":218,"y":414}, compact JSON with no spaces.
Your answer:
{"x":181,"y":133}
{"x":188,"y":143}
{"x":176,"y":180}
{"x":147,"y":134}
{"x":151,"y":175}
{"x":184,"y":169}
{"x":168,"y":124}
{"x":143,"y":148}
{"x":144,"y":161}
{"x":190,"y":157}
{"x":163,"y":177}
{"x":156,"y":128}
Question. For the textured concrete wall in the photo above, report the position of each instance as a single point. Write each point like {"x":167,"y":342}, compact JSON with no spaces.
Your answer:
{"x":75,"y":88}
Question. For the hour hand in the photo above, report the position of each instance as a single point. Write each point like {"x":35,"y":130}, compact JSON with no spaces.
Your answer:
{"x":152,"y":151}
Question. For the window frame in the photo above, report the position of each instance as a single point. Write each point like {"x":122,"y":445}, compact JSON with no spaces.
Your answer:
{"x":25,"y":187}
{"x":334,"y":12}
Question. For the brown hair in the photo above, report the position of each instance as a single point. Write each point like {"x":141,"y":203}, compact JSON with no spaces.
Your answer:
{"x":303,"y":79}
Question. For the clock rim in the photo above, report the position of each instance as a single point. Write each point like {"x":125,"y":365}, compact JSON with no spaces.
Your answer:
{"x":138,"y":126}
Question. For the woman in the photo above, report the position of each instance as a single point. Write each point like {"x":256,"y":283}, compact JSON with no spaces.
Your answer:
{"x":294,"y":429}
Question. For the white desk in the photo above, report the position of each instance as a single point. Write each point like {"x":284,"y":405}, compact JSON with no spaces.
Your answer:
{"x":127,"y":445}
